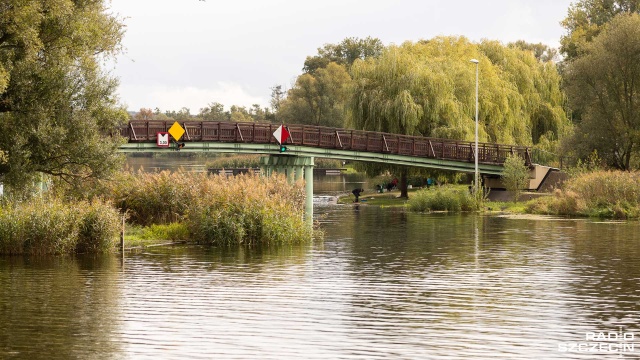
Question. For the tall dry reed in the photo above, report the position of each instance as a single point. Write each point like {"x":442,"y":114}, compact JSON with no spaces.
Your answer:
{"x":600,"y":193}
{"x":51,"y":226}
{"x":217,"y":209}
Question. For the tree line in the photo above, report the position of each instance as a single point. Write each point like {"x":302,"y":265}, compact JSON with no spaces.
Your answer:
{"x":213,"y":112}
{"x":58,"y":106}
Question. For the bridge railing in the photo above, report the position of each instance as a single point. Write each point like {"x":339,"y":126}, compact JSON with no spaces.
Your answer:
{"x":330,"y":138}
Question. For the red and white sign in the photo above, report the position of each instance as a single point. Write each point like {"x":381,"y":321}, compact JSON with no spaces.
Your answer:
{"x":281,"y":134}
{"x":162,"y":139}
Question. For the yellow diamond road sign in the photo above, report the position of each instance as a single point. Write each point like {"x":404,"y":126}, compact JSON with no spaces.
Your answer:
{"x":176,"y":131}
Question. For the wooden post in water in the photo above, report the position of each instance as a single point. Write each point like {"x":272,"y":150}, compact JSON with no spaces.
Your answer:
{"x":122,"y":236}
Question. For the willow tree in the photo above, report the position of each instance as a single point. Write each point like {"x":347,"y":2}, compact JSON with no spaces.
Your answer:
{"x":428,"y":89}
{"x":57,"y":105}
{"x":538,"y":97}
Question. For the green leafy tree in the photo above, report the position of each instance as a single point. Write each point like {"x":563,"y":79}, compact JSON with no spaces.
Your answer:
{"x":57,"y":106}
{"x":159,"y":115}
{"x":533,"y":93}
{"x":318,"y":99}
{"x":240,"y":114}
{"x":585,"y":20}
{"x":214,"y":112}
{"x":515,"y":175}
{"x":428,"y":89}
{"x":259,"y":114}
{"x":184,"y":114}
{"x":345,"y":53}
{"x":542,"y":52}
{"x":604,"y":82}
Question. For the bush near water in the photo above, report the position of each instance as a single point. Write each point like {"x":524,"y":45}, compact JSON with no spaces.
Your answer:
{"x":614,"y":194}
{"x":52,"y":226}
{"x":443,"y":198}
{"x":244,"y":209}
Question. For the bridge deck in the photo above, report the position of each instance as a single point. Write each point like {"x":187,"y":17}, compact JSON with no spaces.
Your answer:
{"x":328,"y":138}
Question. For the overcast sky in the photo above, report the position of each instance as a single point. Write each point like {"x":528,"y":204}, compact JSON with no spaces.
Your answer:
{"x":189,"y":53}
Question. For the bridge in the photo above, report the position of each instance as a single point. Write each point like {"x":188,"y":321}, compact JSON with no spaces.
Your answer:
{"x":324,"y":142}
{"x":308,"y":142}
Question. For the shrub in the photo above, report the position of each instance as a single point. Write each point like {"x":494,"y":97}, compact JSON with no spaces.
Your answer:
{"x":217,"y":209}
{"x":443,"y":198}
{"x":100,"y":225}
{"x":249,"y":209}
{"x":516,"y":175}
{"x":600,"y":193}
{"x":322,"y":163}
{"x":51,"y":226}
{"x":153,"y":198}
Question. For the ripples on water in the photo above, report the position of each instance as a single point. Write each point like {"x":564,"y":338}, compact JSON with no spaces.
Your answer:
{"x":383,"y":285}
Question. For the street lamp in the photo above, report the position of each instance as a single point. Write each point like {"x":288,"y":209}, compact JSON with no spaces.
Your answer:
{"x":476,"y":183}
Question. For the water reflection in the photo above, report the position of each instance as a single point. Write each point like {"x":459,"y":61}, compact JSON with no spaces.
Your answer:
{"x":383,"y":284}
{"x":59,"y":307}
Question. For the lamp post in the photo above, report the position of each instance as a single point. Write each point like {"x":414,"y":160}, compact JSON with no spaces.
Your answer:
{"x":476,"y":183}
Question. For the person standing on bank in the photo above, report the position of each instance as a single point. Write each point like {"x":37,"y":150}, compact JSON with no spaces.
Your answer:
{"x":356,"y":193}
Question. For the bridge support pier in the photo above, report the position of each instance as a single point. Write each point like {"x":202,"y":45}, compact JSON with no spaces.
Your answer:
{"x":299,"y":173}
{"x":308,"y":185}
{"x":294,"y":167}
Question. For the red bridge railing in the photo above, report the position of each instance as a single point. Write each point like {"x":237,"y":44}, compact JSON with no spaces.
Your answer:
{"x":329,"y":138}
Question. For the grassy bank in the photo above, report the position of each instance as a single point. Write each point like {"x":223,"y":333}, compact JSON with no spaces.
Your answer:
{"x":444,"y":198}
{"x":371,"y":197}
{"x":155,"y":234}
{"x":603,"y":194}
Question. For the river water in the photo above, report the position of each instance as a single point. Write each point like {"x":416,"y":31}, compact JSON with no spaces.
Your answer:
{"x":383,"y":284}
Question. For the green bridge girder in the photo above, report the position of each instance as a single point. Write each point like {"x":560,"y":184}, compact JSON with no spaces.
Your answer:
{"x":307,"y":151}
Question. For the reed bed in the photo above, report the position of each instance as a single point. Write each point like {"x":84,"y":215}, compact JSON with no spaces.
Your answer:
{"x":243,"y":209}
{"x":199,"y":208}
{"x":49,"y":225}
{"x":614,"y":194}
